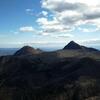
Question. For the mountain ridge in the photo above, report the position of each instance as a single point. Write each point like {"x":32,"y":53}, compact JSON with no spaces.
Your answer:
{"x":69,"y":74}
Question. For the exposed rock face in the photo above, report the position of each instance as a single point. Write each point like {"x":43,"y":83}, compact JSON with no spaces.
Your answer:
{"x":27,"y":50}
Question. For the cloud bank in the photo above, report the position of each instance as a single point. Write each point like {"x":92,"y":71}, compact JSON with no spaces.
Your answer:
{"x":69,"y":14}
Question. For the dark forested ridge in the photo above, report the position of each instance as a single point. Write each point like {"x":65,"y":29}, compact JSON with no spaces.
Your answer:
{"x":72,"y":73}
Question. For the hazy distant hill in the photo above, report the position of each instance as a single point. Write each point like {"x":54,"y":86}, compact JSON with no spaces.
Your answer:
{"x":7,"y":51}
{"x":72,"y":73}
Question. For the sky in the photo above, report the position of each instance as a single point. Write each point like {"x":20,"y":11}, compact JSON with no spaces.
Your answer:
{"x":49,"y":23}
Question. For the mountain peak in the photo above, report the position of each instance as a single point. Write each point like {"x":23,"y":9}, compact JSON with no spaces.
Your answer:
{"x":72,"y":42}
{"x":27,"y":47}
{"x":27,"y":50}
{"x":72,"y":45}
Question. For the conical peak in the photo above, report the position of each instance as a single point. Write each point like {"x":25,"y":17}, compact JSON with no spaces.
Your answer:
{"x":72,"y":45}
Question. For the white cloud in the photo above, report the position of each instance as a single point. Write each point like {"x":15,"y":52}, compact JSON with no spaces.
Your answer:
{"x":36,"y":42}
{"x":69,"y":18}
{"x":91,"y":41}
{"x":87,"y":2}
{"x":44,"y":13}
{"x":27,"y":29}
{"x":73,"y":13}
{"x":16,"y":33}
{"x":45,"y":21}
{"x":45,"y":34}
{"x":59,"y":5}
{"x":88,"y":30}
{"x":63,"y":35}
{"x":52,"y":26}
{"x":30,"y":11}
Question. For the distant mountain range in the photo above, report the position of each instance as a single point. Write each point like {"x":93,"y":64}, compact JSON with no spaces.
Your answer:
{"x":72,"y":73}
{"x":7,"y":51}
{"x":11,"y":51}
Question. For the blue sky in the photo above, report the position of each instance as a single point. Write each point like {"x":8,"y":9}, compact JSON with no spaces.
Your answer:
{"x":49,"y":23}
